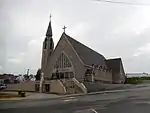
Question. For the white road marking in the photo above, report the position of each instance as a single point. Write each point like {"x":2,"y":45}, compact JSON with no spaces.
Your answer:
{"x":70,"y":99}
{"x":144,"y":102}
{"x":91,"y":107}
{"x":87,"y":111}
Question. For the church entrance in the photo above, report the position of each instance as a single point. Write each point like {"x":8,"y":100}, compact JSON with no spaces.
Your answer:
{"x":47,"y":87}
{"x":37,"y":87}
{"x":63,"y":70}
{"x":62,"y":75}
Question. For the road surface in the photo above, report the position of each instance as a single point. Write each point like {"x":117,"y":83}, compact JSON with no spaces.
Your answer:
{"x":133,"y":101}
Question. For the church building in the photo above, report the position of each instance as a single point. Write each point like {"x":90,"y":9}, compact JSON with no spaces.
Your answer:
{"x":71,"y":66}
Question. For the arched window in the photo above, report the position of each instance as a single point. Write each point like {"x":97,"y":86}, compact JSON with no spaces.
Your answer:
{"x":51,"y":44}
{"x":45,"y":43}
{"x":62,"y":61}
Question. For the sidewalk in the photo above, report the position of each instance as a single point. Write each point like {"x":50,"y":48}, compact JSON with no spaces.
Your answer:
{"x":39,"y":96}
{"x":30,"y":95}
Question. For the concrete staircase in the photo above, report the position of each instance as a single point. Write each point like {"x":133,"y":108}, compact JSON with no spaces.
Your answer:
{"x":56,"y":86}
{"x":80,"y":87}
{"x":73,"y":86}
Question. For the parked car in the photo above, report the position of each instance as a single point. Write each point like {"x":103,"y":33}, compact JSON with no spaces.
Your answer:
{"x":3,"y":86}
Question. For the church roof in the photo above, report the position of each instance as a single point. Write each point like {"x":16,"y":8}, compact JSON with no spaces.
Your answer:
{"x":86,"y":54}
{"x":114,"y":64}
{"x":49,"y":30}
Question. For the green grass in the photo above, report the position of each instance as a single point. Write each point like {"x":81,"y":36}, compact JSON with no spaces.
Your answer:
{"x":136,"y":80}
{"x":8,"y":95}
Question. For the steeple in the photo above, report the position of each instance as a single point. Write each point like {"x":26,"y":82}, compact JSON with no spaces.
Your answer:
{"x":48,"y":47}
{"x":49,"y":29}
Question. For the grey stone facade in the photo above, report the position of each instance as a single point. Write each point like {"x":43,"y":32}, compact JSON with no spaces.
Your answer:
{"x":82,"y":60}
{"x":64,"y":46}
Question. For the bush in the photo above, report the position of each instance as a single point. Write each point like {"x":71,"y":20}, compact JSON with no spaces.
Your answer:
{"x":21,"y":93}
{"x":133,"y":80}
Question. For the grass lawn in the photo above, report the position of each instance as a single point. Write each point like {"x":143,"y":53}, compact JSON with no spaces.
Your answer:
{"x":8,"y":95}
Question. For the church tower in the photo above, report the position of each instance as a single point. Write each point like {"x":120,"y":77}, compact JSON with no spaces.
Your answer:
{"x":48,"y":47}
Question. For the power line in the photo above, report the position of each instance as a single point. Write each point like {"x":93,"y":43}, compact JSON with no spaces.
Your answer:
{"x":120,"y":2}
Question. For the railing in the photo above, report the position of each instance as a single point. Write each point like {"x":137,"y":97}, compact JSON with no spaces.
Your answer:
{"x":57,"y":87}
{"x":81,"y":85}
{"x":62,"y":85}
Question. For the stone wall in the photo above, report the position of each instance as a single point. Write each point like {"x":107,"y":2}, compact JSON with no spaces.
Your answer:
{"x":56,"y":86}
{"x":65,"y":46}
{"x":103,"y":76}
{"x":24,"y":86}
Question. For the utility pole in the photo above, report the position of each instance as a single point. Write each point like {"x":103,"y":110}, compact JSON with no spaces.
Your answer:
{"x":28,"y":72}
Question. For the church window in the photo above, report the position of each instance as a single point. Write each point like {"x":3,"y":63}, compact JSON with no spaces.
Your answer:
{"x":62,"y":57}
{"x":66,"y":75}
{"x":51,"y":43}
{"x":61,"y":75}
{"x":62,"y":61}
{"x":45,"y":43}
{"x":71,"y":75}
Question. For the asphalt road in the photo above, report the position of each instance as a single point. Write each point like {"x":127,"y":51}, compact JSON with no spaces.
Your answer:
{"x":133,"y":101}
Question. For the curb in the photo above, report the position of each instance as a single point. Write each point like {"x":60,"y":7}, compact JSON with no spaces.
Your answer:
{"x":64,"y":96}
{"x":81,"y":94}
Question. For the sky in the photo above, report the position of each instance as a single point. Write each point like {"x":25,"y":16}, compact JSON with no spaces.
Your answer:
{"x":114,"y":30}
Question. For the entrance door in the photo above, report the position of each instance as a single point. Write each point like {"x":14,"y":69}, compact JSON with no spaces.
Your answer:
{"x":47,"y":87}
{"x":37,"y":87}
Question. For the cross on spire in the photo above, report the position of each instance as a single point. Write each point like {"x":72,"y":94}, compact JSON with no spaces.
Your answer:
{"x":50,"y":17}
{"x":64,"y":28}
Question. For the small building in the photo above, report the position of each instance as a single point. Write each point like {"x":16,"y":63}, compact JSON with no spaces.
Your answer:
{"x":6,"y":78}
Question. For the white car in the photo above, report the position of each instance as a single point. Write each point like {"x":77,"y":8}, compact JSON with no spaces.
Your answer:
{"x":3,"y":86}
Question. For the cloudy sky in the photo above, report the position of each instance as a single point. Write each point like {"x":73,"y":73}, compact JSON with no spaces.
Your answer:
{"x":113,"y":30}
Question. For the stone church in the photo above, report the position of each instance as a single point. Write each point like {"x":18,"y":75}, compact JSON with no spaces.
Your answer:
{"x":72,"y":67}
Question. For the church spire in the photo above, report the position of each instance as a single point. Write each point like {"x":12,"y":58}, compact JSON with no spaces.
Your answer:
{"x":49,"y":29}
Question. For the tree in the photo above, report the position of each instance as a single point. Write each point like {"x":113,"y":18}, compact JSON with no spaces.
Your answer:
{"x":38,"y":74}
{"x":26,"y":77}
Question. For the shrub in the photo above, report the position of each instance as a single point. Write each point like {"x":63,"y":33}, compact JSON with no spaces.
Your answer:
{"x":133,"y":80}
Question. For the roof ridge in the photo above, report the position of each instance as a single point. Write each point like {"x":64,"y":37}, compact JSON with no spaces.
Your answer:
{"x":84,"y":45}
{"x":72,"y":47}
{"x":114,"y":58}
{"x":86,"y":54}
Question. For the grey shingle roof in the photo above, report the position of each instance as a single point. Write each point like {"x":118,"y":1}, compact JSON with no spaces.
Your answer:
{"x":87,"y":55}
{"x":114,"y":64}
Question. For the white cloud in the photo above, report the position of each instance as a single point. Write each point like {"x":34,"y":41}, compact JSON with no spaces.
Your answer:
{"x":33,"y":41}
{"x":1,"y":67}
{"x":112,"y":29}
{"x":135,"y":22}
{"x":14,"y":60}
{"x":78,"y":29}
{"x":22,"y":54}
{"x":144,"y":50}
